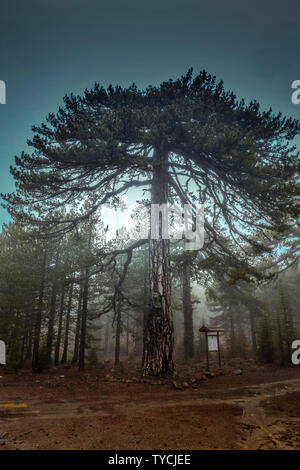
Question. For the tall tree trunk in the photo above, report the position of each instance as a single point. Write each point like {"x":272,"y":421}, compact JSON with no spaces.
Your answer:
{"x":137,"y":334}
{"x":22,"y":353}
{"x":85,"y":295}
{"x":232,"y":333}
{"x":59,"y":330}
{"x":38,"y":318}
{"x":50,"y":333}
{"x":145,"y":301}
{"x":127,"y":334}
{"x":252,"y":316}
{"x":28,"y":337}
{"x":188,"y":341}
{"x":118,"y":332}
{"x":64,"y":358}
{"x":158,"y":337}
{"x":78,"y":324}
{"x":106,"y":336}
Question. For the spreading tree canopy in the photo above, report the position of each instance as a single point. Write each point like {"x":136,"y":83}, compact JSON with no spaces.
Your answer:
{"x":187,"y":140}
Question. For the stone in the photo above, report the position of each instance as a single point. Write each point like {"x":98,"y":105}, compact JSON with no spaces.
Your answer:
{"x":210,"y":374}
{"x":198,"y":376}
{"x":177,"y":385}
{"x":237,"y":372}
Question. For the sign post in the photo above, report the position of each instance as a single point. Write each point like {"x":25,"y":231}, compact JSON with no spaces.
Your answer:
{"x":212,"y":337}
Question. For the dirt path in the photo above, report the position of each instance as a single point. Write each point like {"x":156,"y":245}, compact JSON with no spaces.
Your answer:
{"x":267,"y":432}
{"x":88,"y":412}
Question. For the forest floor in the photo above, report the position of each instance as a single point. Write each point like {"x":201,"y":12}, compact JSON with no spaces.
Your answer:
{"x":243,"y":406}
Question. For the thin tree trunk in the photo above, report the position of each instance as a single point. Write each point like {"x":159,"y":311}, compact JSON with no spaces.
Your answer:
{"x":22,"y":350}
{"x":78,"y":323}
{"x":83,"y":321}
{"x":52,"y":311}
{"x":38,"y":318}
{"x":232,"y":333}
{"x":141,"y":328}
{"x":188,"y":341}
{"x":64,"y":358}
{"x":127,"y":334}
{"x":85,"y":295}
{"x":106,"y":336}
{"x":28,"y":338}
{"x":252,"y":316}
{"x":50,"y":334}
{"x":158,"y":337}
{"x":138,"y":334}
{"x":118,"y":332}
{"x":61,"y":313}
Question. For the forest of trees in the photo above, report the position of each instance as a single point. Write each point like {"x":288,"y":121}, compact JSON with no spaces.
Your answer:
{"x":70,"y":295}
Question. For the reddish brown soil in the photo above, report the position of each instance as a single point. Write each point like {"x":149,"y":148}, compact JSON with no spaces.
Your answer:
{"x":98,"y":409}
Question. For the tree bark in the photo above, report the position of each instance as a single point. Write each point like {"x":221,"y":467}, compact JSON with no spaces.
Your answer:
{"x":158,"y":336}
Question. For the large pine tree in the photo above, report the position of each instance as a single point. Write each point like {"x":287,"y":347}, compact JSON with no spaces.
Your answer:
{"x":188,"y":140}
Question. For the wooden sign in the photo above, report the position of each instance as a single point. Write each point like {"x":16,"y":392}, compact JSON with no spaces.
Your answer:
{"x":212,"y":334}
{"x":2,"y":353}
{"x":212,"y":343}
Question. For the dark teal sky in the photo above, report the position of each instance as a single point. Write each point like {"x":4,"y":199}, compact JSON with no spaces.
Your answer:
{"x":50,"y":47}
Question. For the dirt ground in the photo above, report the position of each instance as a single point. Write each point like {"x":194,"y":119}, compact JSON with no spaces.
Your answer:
{"x":243,"y":406}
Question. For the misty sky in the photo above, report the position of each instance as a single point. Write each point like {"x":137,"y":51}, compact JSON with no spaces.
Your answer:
{"x":50,"y":47}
